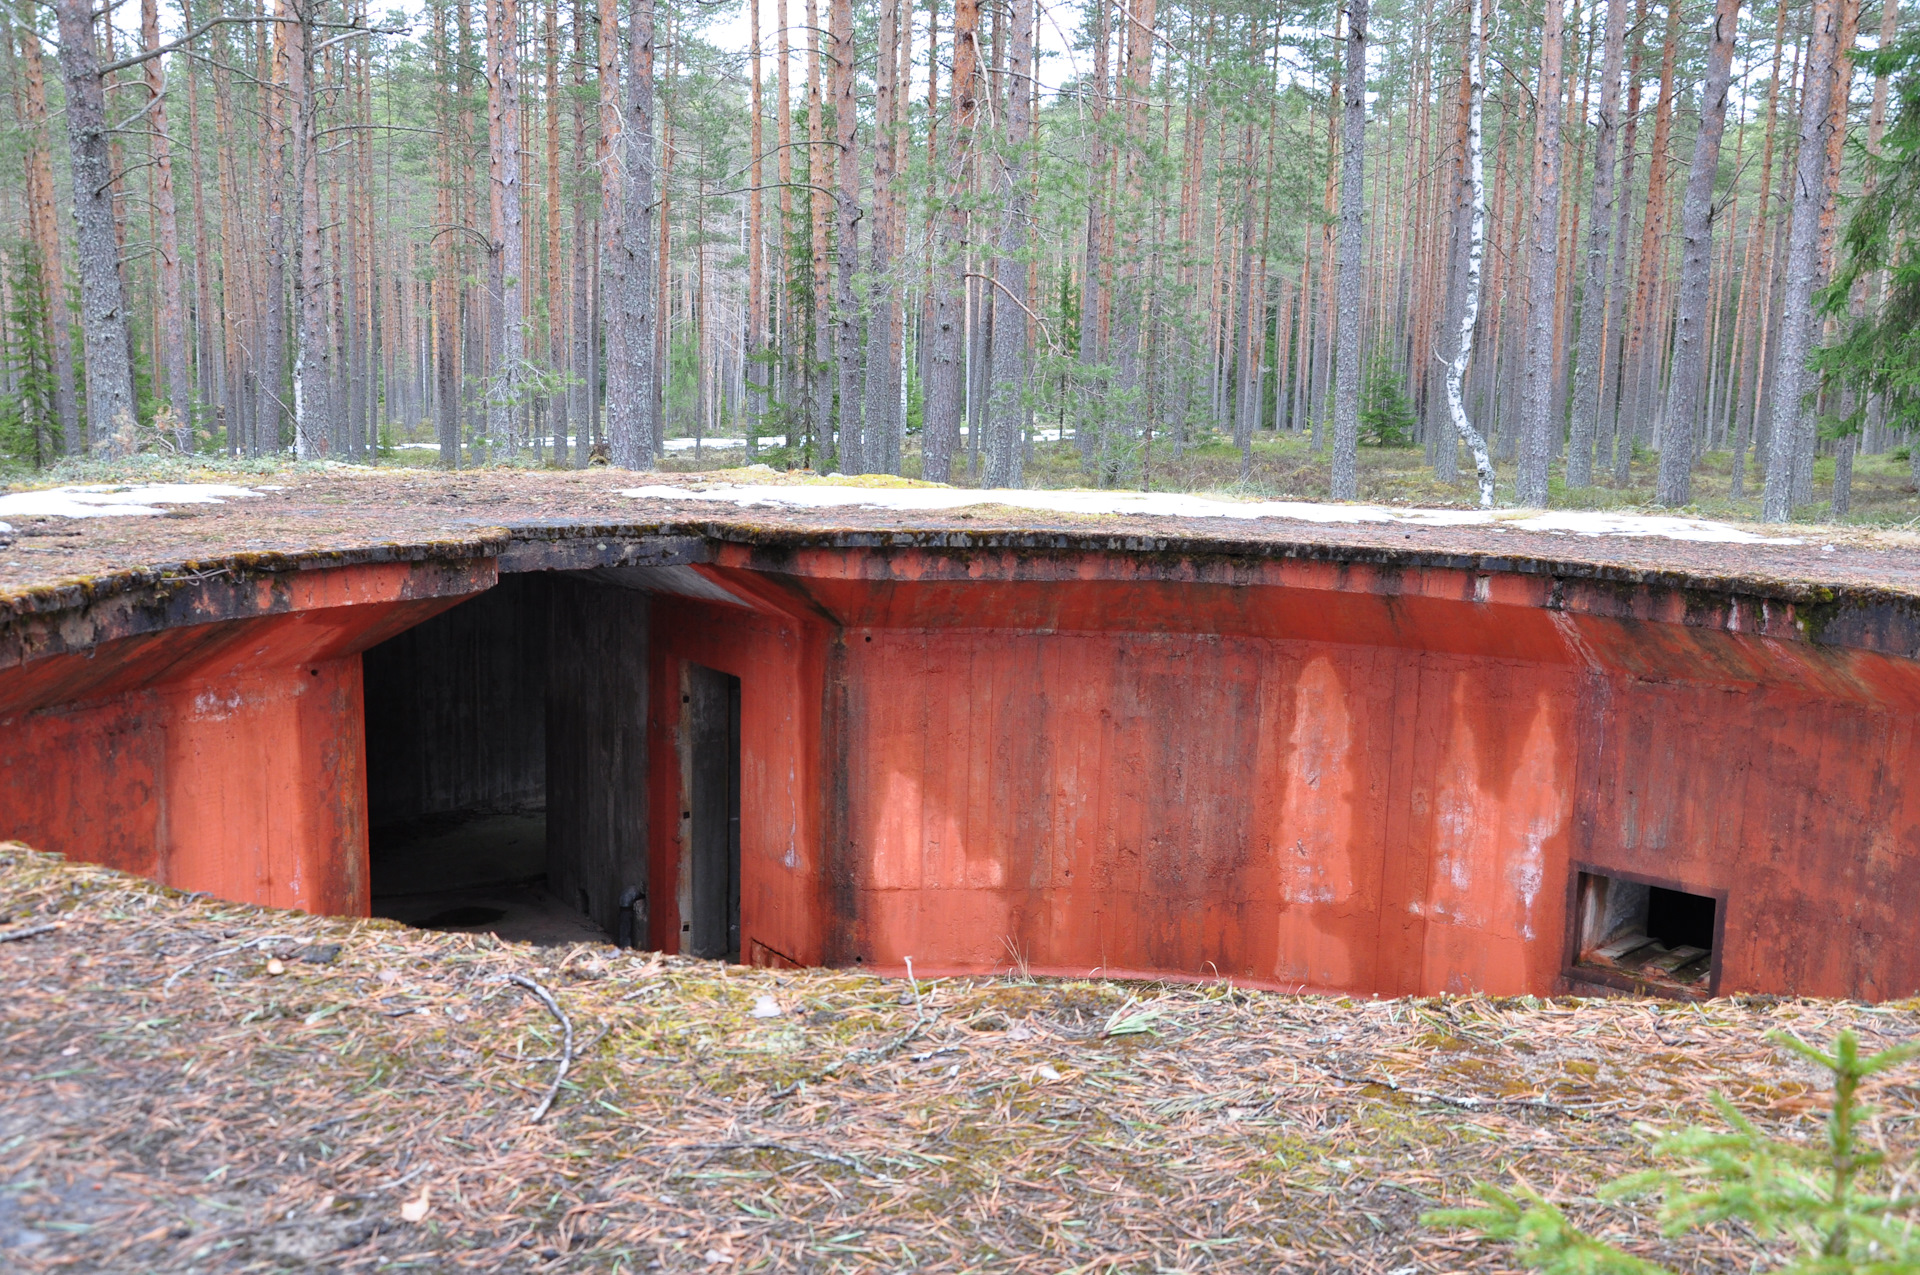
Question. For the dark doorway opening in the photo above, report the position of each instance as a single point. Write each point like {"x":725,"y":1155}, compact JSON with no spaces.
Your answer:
{"x":712,"y":703}
{"x":1630,"y":932}
{"x":506,"y":765}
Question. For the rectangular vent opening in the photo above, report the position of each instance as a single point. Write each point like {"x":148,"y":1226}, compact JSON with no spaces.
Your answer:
{"x":1644,"y":935}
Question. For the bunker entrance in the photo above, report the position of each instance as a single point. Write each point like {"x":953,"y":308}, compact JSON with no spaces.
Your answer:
{"x":1635,"y":933}
{"x":504,"y":790}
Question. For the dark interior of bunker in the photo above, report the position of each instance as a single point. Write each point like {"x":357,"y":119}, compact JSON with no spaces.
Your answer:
{"x":507,"y":768}
{"x":1636,"y":934}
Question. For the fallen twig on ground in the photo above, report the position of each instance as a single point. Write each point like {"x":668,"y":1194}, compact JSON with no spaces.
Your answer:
{"x":566,"y":1045}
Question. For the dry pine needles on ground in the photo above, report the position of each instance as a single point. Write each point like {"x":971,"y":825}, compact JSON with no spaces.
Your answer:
{"x":198,"y":1086}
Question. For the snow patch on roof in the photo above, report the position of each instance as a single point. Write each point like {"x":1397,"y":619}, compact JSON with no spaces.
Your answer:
{"x":114,"y":501}
{"x":1577,"y":522}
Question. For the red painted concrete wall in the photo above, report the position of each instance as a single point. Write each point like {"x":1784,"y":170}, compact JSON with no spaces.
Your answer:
{"x":1331,"y":776}
{"x":226,"y":756}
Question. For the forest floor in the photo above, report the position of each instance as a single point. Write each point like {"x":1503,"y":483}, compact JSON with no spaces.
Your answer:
{"x":200,"y":1086}
{"x":1284,"y":466}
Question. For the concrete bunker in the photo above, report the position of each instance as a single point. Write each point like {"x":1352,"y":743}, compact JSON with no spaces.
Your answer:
{"x":1305,"y":770}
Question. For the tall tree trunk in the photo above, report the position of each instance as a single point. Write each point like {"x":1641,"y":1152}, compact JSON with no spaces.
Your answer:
{"x":846,"y":206}
{"x":1353,"y":141}
{"x":46,"y":228}
{"x":1837,"y":105}
{"x":632,"y":364}
{"x":1641,"y":366}
{"x":107,"y":359}
{"x":663,"y":258}
{"x":818,"y":343}
{"x":1476,"y":254}
{"x":1446,"y":448}
{"x":446,"y":357}
{"x":580,"y":389}
{"x":1088,"y":417}
{"x":1613,"y":349}
{"x":618,"y":375}
{"x":882,"y":425}
{"x":1675,"y":486}
{"x":1593,"y":295}
{"x":945,"y":395}
{"x":1317,"y":392}
{"x":783,"y":290}
{"x":503,"y":219}
{"x":557,"y":344}
{"x":1803,"y":262}
{"x":1750,"y":325}
{"x":754,"y":372}
{"x":209,"y":364}
{"x":1245,"y":372}
{"x":1536,"y":407}
{"x":1006,"y":410}
{"x":313,"y":350}
{"x":1135,"y":285}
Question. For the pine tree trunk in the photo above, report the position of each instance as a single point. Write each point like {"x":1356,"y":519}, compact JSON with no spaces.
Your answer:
{"x":1756,"y":291}
{"x":882,"y":425}
{"x":783,"y":271}
{"x":557,"y":343}
{"x":1536,"y":404}
{"x":754,"y":372}
{"x":819,"y":365}
{"x":503,"y":220}
{"x":846,"y":205}
{"x":446,"y":356}
{"x":1696,"y":265}
{"x":1346,"y":395}
{"x":107,"y":359}
{"x":945,"y":392}
{"x":581,"y":411}
{"x":1006,"y":412}
{"x":1593,"y":297}
{"x":1245,"y":372}
{"x":211,"y":363}
{"x":46,"y":230}
{"x":633,"y":366}
{"x":1613,"y":350}
{"x":1838,"y":100}
{"x":1088,"y":419}
{"x":1802,"y":263}
{"x":313,"y":352}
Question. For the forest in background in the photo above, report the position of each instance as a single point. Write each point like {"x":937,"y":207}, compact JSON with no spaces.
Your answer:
{"x":890,"y":238}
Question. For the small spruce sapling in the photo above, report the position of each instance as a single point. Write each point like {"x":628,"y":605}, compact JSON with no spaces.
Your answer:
{"x":1386,"y":416}
{"x":1815,"y":1194}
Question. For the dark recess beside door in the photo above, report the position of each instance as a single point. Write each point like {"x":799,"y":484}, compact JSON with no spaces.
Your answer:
{"x":713,"y":733}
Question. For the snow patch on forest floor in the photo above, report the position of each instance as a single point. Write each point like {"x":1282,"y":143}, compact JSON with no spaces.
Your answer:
{"x":113,"y":500}
{"x":1578,"y":522}
{"x":672,"y":444}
